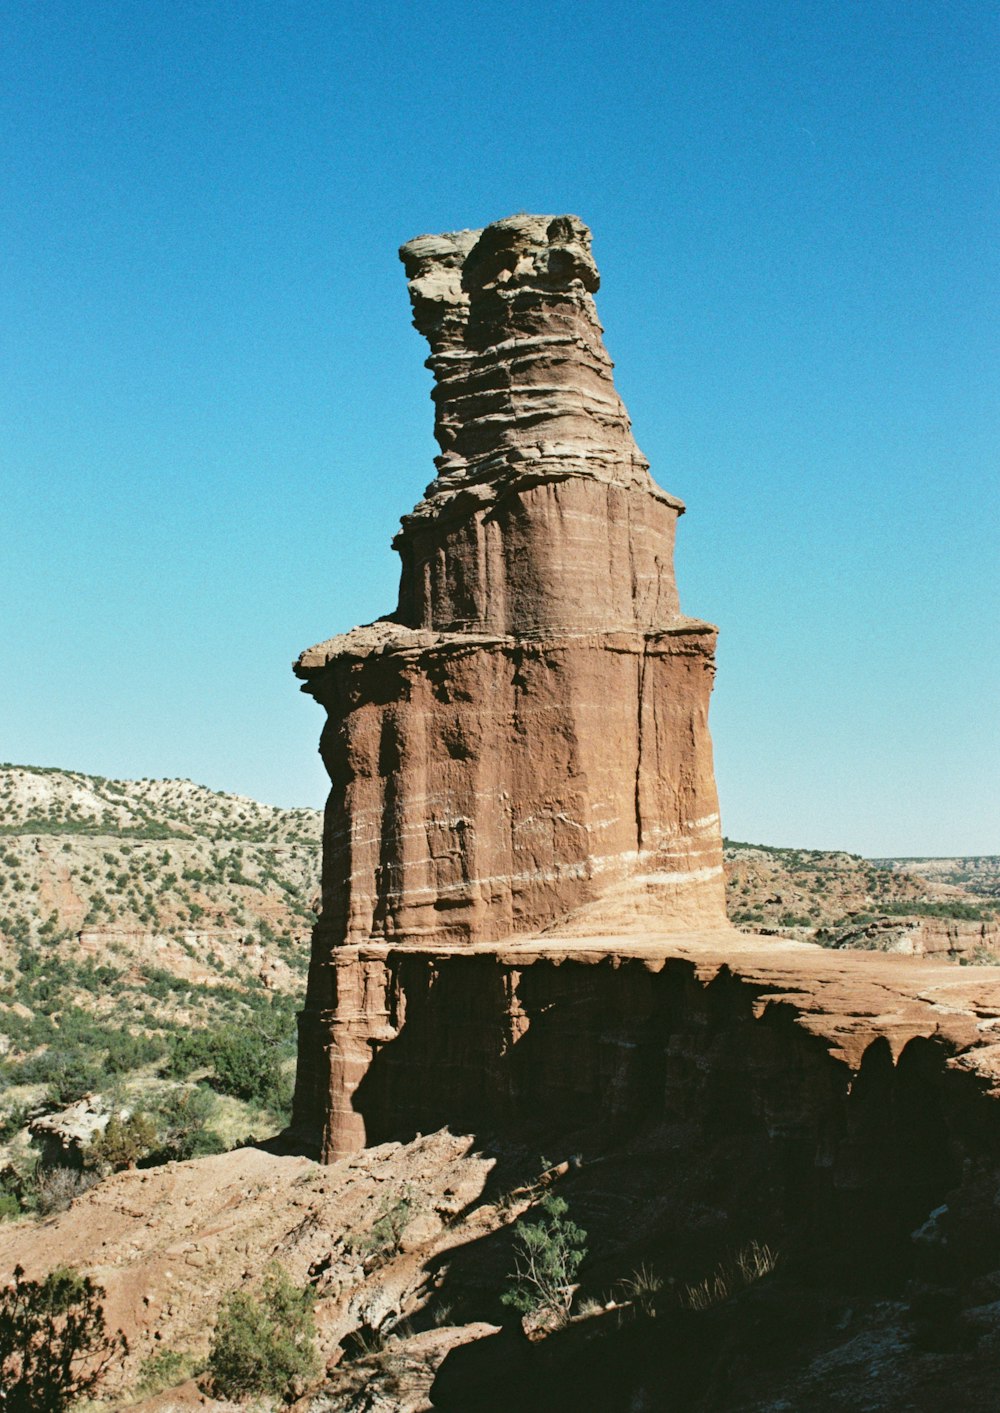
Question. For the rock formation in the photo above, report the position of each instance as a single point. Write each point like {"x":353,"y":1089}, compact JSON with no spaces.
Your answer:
{"x":523,"y":744}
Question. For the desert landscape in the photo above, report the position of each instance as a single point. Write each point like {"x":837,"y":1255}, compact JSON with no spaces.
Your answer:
{"x":508,"y":1080}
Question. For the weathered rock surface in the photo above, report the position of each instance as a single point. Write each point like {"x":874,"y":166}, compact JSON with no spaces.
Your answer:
{"x":559,"y":1030}
{"x":543,"y":514}
{"x":64,"y":1136}
{"x":525,"y":740}
{"x":965,"y":940}
{"x":168,"y":1243}
{"x":695,"y":1093}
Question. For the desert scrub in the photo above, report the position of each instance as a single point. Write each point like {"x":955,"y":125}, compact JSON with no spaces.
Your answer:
{"x":262,"y":1344}
{"x":547,"y":1256}
{"x":750,"y":1264}
{"x":165,"y":1370}
{"x":54,"y":1347}
{"x":123,"y":1142}
{"x":395,"y":1215}
{"x":643,"y":1289}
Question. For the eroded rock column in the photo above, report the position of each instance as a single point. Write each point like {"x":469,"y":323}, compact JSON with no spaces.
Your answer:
{"x":521,"y":747}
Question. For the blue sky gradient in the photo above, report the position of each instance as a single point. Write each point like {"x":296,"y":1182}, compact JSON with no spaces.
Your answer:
{"x":214,"y":409}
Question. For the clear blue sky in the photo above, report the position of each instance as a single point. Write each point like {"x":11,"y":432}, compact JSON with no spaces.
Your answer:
{"x":214,"y":409}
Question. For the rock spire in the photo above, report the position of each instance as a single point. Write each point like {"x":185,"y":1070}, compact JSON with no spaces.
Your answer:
{"x":522,"y":747}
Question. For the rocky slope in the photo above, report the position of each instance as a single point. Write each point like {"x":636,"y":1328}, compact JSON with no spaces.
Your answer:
{"x":697,"y":1100}
{"x":135,"y":915}
{"x":160,"y":872}
{"x":978,"y":874}
{"x":842,"y":900}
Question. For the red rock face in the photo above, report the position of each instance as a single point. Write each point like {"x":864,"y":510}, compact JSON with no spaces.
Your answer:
{"x":523,"y":744}
{"x":543,"y":514}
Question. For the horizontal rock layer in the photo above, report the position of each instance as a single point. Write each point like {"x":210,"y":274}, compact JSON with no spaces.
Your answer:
{"x":543,"y":512}
{"x":571,"y":554}
{"x":483,"y":789}
{"x":556,"y":1033}
{"x":523,"y":744}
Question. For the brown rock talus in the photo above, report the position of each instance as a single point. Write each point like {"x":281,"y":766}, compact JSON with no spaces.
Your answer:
{"x":523,"y":744}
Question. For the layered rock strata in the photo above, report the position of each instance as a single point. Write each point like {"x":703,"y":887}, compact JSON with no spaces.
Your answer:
{"x":523,"y":743}
{"x":599,"y":1037}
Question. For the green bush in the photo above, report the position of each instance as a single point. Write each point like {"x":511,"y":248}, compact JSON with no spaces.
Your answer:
{"x":243,"y":1059}
{"x":54,"y":1347}
{"x":261,"y":1345}
{"x":187,"y":1052}
{"x":182,"y":1119}
{"x":69,"y":1074}
{"x":123,"y":1143}
{"x":164,"y":1370}
{"x":128,"y":1052}
{"x":13,"y":1121}
{"x":383,"y":1240}
{"x":547,"y":1256}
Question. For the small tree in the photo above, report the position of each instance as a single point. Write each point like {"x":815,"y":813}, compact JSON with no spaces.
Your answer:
{"x":123,"y":1142}
{"x":260,"y":1346}
{"x":53,"y":1344}
{"x":183,"y":1117}
{"x":547,"y":1256}
{"x":384,"y":1239}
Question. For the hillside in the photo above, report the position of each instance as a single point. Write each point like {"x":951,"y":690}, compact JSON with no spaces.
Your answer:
{"x":937,"y":906}
{"x":978,"y":875}
{"x":153,"y":933}
{"x":153,"y":942}
{"x":163,"y":859}
{"x":154,"y":937}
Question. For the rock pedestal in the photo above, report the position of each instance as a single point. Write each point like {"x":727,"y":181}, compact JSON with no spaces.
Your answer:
{"x":521,"y":747}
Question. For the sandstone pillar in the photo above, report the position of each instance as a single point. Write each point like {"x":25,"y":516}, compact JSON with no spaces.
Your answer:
{"x":522,"y":747}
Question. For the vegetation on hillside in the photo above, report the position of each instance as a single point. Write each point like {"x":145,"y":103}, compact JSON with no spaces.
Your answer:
{"x":54,"y":1347}
{"x":828,"y":896}
{"x":153,"y":945}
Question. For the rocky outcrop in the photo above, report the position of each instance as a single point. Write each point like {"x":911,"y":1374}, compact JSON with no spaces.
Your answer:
{"x":64,"y":1137}
{"x":693,"y":1095}
{"x":607,"y":1033}
{"x":523,"y":743}
{"x":528,"y":729}
{"x":543,"y":515}
{"x":966,"y":940}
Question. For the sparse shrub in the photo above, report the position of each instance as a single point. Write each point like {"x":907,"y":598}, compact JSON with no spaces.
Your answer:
{"x":980,"y":957}
{"x":752,"y":1263}
{"x":364,"y":1343}
{"x":642,"y":1288}
{"x":54,"y":1347}
{"x":547,"y":1256}
{"x":55,"y":1188}
{"x":13,"y":1121}
{"x":182,"y":1119}
{"x":383,"y":1240}
{"x":10,"y":1208}
{"x":165,"y":1370}
{"x":261,"y":1344}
